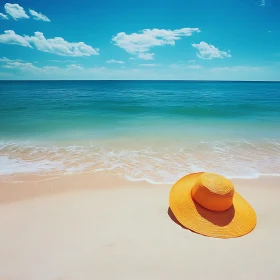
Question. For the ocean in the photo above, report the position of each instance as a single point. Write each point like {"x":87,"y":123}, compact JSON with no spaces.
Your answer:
{"x":156,"y":131}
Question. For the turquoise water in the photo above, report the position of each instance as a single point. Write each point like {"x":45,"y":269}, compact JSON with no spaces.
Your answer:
{"x":225,"y":125}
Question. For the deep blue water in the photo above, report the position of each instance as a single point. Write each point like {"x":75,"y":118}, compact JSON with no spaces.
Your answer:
{"x":74,"y":109}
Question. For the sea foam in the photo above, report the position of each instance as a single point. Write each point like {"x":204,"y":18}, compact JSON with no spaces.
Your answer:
{"x":156,"y":165}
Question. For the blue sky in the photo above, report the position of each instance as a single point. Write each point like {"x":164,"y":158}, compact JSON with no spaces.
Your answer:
{"x":178,"y":39}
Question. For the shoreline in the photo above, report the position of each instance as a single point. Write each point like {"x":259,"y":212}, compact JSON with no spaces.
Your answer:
{"x":153,"y":161}
{"x":32,"y":185}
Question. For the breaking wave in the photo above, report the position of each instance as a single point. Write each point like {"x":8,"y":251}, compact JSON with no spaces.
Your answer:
{"x":156,"y":165}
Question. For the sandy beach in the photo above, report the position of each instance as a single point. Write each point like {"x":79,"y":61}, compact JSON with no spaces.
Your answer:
{"x":100,"y":227}
{"x":105,"y":106}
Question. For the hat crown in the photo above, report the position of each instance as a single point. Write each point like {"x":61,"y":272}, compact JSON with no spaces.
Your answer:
{"x":213,"y":192}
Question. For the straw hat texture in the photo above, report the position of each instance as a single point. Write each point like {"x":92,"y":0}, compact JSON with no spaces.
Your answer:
{"x":207,"y":203}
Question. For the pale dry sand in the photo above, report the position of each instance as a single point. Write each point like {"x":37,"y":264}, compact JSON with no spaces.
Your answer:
{"x":87,"y":227}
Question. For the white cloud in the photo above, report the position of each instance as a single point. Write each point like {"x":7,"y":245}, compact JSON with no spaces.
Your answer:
{"x":5,"y":59}
{"x":206,"y":51}
{"x":74,"y":67}
{"x":56,"y":45}
{"x":191,"y":61}
{"x":146,"y":56}
{"x":10,"y":37}
{"x":115,"y":61}
{"x":38,"y":16}
{"x":47,"y":69}
{"x":18,"y":12}
{"x":148,"y":65}
{"x":141,"y":43}
{"x":262,"y":3}
{"x":59,"y":46}
{"x":15,"y":11}
{"x":2,"y":16}
{"x":20,"y":65}
{"x":28,"y":70}
{"x":27,"y":66}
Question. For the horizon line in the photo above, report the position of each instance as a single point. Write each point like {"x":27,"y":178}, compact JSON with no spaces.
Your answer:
{"x":128,"y":80}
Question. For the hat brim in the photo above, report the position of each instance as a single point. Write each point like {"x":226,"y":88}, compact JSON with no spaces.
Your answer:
{"x":237,"y":221}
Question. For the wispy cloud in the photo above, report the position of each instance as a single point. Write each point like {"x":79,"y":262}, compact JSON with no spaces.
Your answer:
{"x":146,"y":56}
{"x":15,"y":11}
{"x":115,"y":61}
{"x":194,"y":66}
{"x":31,"y":70}
{"x":38,"y":16}
{"x":236,"y":68}
{"x":5,"y":59}
{"x":28,"y":70}
{"x":16,"y":69}
{"x":61,"y":61}
{"x":191,"y":65}
{"x":262,"y":3}
{"x":28,"y":66}
{"x":56,"y":45}
{"x":140,"y":43}
{"x":206,"y":51}
{"x":75,"y":67}
{"x":174,"y":65}
{"x":3,"y":16}
{"x":21,"y":69}
{"x":20,"y":65}
{"x":148,"y":65}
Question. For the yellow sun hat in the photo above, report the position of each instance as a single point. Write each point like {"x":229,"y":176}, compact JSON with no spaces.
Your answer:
{"x":207,"y":203}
